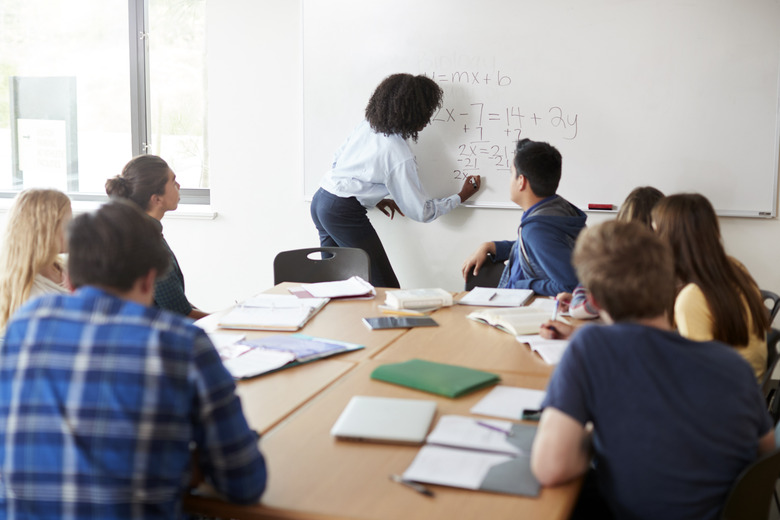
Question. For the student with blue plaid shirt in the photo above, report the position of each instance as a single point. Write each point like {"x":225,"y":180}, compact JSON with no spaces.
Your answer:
{"x":109,"y":406}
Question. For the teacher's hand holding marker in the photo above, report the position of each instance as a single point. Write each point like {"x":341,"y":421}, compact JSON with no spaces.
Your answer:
{"x":470,"y":187}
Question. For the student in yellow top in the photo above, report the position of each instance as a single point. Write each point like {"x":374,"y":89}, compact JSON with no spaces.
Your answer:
{"x":717,"y":298}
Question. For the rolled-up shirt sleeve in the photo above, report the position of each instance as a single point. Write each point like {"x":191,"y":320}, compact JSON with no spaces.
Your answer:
{"x":405,"y":188}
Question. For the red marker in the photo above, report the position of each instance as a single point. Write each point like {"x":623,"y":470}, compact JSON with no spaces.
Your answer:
{"x":601,"y":206}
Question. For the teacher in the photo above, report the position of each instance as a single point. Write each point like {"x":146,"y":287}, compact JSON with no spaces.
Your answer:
{"x":375,"y":161}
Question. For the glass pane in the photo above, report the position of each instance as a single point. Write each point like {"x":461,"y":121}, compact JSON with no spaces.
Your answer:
{"x":177,"y":72}
{"x":65,"y":63}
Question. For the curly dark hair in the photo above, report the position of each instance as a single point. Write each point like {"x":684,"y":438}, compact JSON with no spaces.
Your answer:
{"x":403,"y":104}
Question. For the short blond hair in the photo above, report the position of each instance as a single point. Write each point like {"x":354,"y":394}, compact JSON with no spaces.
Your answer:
{"x":627,"y":268}
{"x":31,"y":241}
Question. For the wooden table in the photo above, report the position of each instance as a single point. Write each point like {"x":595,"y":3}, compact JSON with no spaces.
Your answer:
{"x":461,"y":341}
{"x":313,"y":476}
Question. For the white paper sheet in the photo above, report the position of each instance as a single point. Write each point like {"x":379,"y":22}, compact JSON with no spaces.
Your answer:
{"x":452,"y":467}
{"x":257,"y":361}
{"x":509,"y":402}
{"x":550,"y":350}
{"x":465,"y":432}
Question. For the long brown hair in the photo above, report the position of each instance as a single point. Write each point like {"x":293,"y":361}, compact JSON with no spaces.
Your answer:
{"x":688,"y":222}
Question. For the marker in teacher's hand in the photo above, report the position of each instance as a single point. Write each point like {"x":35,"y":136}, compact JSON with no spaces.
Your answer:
{"x":474,"y":183}
{"x":601,"y":206}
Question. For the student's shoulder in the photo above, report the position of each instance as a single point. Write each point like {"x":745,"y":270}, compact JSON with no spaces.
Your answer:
{"x":690,"y":297}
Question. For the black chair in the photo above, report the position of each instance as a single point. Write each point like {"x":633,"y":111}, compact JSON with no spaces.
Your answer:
{"x":770,"y":385}
{"x":772,"y":301}
{"x":321,"y":264}
{"x":489,"y":275}
{"x":772,"y":337}
{"x":751,"y":494}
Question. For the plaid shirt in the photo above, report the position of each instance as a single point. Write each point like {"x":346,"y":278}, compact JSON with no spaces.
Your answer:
{"x":100,"y":401}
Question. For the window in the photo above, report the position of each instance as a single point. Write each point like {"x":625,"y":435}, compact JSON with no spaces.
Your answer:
{"x":87,"y":84}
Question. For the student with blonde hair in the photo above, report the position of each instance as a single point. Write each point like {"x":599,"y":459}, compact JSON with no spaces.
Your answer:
{"x":30,"y":265}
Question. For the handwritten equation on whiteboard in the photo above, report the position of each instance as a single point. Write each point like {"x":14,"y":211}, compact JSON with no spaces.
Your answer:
{"x":483,"y":133}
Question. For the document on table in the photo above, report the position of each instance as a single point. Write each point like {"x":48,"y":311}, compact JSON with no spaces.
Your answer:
{"x":257,"y":361}
{"x":272,"y":312}
{"x":354,"y":287}
{"x":460,"y":431}
{"x":492,"y":297}
{"x":509,"y":402}
{"x":550,"y":350}
{"x":477,"y":456}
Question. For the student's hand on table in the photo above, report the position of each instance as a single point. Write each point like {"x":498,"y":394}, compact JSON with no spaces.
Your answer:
{"x":470,"y":187}
{"x":389,"y":207}
{"x":564,"y":300}
{"x":474,"y":263}
{"x":555,"y":330}
{"x":197,"y":476}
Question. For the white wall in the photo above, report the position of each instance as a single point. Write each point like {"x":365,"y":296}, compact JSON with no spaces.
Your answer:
{"x":255,"y":135}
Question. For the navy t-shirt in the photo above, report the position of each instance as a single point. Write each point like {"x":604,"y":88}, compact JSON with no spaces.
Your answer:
{"x":675,"y":421}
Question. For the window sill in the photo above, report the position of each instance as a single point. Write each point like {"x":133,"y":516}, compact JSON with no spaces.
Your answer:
{"x":184,"y":211}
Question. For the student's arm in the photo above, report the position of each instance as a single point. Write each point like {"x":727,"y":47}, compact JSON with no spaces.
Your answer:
{"x":766,"y":444}
{"x":561,"y":449}
{"x":556,"y":330}
{"x":169,"y":294}
{"x":475,"y":262}
{"x":227,"y":450}
{"x":580,"y":307}
{"x":404,"y":186}
{"x":197,"y":314}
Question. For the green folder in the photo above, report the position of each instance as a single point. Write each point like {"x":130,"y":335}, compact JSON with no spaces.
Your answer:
{"x":435,"y":378}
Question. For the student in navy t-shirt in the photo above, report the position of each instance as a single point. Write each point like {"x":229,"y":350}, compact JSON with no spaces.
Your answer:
{"x":668,"y":423}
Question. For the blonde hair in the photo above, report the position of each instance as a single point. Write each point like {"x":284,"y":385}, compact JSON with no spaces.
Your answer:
{"x":31,"y":242}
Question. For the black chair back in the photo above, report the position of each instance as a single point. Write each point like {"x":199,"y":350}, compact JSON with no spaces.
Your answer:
{"x":321,"y":264}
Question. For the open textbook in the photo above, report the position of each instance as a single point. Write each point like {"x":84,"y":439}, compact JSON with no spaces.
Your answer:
{"x":522,"y":320}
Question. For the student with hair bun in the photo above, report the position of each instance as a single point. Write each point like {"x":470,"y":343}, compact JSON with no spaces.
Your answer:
{"x":148,"y":181}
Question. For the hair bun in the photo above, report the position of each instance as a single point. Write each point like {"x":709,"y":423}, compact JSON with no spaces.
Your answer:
{"x":118,"y":187}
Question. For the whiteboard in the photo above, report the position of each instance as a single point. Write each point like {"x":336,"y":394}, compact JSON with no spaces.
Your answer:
{"x":682,"y":96}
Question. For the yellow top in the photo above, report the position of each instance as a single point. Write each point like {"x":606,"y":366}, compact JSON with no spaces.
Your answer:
{"x":694,"y":321}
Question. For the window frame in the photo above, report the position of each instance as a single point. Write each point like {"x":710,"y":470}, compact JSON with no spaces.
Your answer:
{"x":140,"y":112}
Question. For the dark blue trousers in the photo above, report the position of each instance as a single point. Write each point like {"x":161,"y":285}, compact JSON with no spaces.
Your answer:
{"x":342,"y":222}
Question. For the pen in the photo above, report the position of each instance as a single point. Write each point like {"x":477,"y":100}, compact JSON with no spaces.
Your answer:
{"x":555,"y":310}
{"x":508,"y":433}
{"x":492,"y":296}
{"x":414,"y":485}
